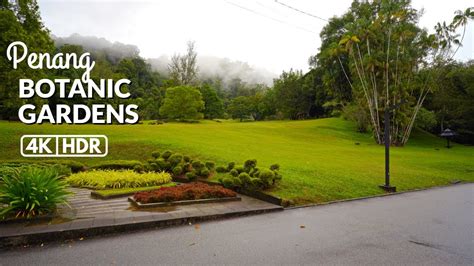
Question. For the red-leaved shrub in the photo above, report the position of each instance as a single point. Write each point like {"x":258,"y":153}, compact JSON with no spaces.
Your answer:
{"x":189,"y":191}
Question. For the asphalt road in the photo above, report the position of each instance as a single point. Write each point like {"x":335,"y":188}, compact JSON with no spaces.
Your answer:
{"x":432,"y":227}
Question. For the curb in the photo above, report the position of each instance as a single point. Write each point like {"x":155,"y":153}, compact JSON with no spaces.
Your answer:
{"x":55,"y":236}
{"x":376,"y":196}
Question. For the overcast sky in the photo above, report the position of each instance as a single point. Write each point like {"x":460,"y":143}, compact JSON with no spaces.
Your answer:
{"x":261,"y":32}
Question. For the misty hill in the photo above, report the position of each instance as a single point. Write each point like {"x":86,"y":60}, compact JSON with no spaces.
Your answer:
{"x":209,"y":66}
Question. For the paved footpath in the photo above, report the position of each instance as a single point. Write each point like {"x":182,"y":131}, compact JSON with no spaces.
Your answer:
{"x":432,"y":227}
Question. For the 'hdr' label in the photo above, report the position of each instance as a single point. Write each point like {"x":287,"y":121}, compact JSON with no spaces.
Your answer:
{"x":64,"y":146}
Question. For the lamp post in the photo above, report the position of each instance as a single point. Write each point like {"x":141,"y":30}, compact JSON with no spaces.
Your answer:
{"x":448,"y":134}
{"x":386,"y":139}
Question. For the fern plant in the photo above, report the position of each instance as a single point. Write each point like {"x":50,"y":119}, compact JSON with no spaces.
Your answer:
{"x":31,"y":191}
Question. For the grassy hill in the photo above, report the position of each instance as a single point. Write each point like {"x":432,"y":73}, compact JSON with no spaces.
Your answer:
{"x":319,"y":159}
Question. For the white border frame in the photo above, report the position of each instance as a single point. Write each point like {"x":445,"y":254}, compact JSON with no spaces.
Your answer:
{"x":56,"y":155}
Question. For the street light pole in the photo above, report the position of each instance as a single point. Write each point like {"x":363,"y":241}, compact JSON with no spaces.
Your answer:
{"x":386,"y":139}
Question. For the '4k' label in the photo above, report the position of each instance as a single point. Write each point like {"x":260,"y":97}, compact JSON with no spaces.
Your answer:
{"x":64,"y":146}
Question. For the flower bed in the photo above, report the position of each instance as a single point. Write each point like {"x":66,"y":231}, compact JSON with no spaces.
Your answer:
{"x":105,"y":179}
{"x":185,"y":192}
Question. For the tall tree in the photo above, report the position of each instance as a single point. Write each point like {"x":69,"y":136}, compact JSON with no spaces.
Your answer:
{"x":388,"y":59}
{"x":293,"y":98}
{"x":213,"y":105}
{"x":182,"y":102}
{"x":183,"y":69}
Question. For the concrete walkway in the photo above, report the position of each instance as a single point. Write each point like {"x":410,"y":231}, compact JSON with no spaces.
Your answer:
{"x":88,"y":216}
{"x":431,"y":227}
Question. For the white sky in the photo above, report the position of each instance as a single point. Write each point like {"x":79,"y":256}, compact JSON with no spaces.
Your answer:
{"x":270,"y":36}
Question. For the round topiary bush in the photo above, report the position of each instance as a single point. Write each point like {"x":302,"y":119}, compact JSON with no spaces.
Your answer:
{"x":275,"y":167}
{"x":139,"y":168}
{"x":221,"y":169}
{"x":191,"y":176}
{"x":240,"y":169}
{"x":228,"y":182}
{"x":234,"y":172}
{"x":244,"y":177}
{"x":166,"y":155}
{"x":162,"y":165}
{"x":177,"y":170}
{"x":155,"y":154}
{"x":204,"y":172}
{"x":266,"y":176}
{"x":210,"y":165}
{"x":197,"y":165}
{"x":237,"y":182}
{"x":249,"y":164}
{"x":175,"y":159}
{"x":187,"y":158}
{"x":230,"y":166}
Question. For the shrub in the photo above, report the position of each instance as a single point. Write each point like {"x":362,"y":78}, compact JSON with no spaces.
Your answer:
{"x":162,"y":165}
{"x":187,"y":158}
{"x":204,"y":172}
{"x":228,"y":182}
{"x":31,"y":191}
{"x":117,"y":165}
{"x":221,"y":169}
{"x":251,"y":177}
{"x":139,"y":168}
{"x":425,"y":119}
{"x":191,"y":191}
{"x":191,"y":175}
{"x":358,"y":114}
{"x":177,"y":170}
{"x":210,"y":165}
{"x":166,"y":155}
{"x":234,"y":172}
{"x":103,"y":179}
{"x":175,"y":159}
{"x":240,"y":169}
{"x":230,"y":166}
{"x":244,"y":178}
{"x":236,"y":182}
{"x":197,"y":165}
{"x":72,"y":165}
{"x":267,"y":177}
{"x":250,"y":164}
{"x":155,"y":154}
{"x":275,"y":167}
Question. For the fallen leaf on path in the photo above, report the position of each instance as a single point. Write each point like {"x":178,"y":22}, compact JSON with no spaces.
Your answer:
{"x":197,"y":226}
{"x":80,"y":239}
{"x":302,"y":226}
{"x":192,"y":244}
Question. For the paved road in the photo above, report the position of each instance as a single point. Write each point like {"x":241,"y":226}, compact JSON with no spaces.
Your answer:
{"x":433,"y":227}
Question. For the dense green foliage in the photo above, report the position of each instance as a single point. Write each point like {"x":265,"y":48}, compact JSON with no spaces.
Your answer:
{"x":31,"y":191}
{"x":103,"y":179}
{"x":182,"y":102}
{"x":453,"y":101}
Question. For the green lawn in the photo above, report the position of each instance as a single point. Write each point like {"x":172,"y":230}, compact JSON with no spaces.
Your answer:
{"x":319,"y":159}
